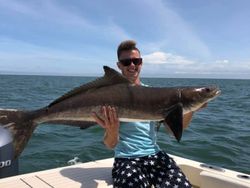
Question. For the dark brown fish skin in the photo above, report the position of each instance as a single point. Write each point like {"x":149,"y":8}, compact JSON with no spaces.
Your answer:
{"x":131,"y":102}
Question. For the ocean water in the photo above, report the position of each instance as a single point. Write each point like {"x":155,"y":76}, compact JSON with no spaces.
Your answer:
{"x":218,"y":135}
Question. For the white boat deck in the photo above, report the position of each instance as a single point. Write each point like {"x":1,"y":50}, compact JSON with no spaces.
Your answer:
{"x":98,"y":174}
{"x":91,"y":174}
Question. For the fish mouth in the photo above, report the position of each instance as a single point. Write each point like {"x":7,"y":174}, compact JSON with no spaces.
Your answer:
{"x":218,"y":92}
{"x":214,"y":90}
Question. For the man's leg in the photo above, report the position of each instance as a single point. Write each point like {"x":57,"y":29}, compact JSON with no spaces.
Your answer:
{"x":166,"y":173}
{"x":128,"y":173}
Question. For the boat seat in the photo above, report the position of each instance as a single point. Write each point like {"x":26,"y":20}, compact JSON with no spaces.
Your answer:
{"x":209,"y":179}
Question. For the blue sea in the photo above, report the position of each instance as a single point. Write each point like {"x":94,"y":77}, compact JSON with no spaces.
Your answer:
{"x":218,"y":135}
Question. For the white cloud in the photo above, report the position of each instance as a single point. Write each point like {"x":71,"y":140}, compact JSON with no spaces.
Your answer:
{"x":166,"y":58}
{"x":163,"y":64}
{"x":224,"y":61}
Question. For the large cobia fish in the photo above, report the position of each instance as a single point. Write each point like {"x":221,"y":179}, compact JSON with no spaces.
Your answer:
{"x":133,"y":103}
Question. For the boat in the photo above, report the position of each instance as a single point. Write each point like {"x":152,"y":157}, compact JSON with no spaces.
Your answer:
{"x":98,"y":174}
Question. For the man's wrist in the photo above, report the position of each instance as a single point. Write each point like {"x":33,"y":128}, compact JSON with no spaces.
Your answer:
{"x":111,"y":139}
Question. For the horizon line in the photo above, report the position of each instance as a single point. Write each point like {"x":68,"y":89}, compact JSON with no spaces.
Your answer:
{"x":175,"y":76}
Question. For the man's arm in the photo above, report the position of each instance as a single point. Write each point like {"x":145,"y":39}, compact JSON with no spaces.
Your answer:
{"x":188,"y":117}
{"x":111,"y":124}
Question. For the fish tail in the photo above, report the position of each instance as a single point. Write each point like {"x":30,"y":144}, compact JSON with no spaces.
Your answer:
{"x":20,"y":124}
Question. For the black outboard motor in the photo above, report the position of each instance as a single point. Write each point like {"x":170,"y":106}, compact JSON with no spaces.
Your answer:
{"x":8,"y":165}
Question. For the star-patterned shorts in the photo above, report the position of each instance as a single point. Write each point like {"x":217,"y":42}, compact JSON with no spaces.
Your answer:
{"x":157,"y":170}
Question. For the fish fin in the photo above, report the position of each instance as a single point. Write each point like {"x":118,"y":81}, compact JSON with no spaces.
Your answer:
{"x":114,"y":77}
{"x":110,"y":77}
{"x":80,"y":124}
{"x":174,"y":120}
{"x":20,"y":125}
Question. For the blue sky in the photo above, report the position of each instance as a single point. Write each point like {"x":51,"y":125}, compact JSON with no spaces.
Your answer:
{"x":177,"y":38}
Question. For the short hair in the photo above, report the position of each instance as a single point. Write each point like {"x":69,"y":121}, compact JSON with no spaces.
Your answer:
{"x":126,"y":45}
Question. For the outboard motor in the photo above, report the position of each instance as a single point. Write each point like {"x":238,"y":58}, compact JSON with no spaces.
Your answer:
{"x":8,"y":165}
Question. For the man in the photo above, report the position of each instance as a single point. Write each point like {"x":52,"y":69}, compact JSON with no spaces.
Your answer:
{"x":139,"y":162}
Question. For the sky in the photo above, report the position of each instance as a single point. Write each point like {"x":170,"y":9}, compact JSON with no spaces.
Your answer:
{"x":177,"y":38}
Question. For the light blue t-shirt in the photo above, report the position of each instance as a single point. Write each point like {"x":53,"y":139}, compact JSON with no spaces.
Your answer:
{"x":136,"y":139}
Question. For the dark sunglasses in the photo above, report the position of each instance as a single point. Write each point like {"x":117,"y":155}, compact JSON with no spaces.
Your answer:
{"x":127,"y":62}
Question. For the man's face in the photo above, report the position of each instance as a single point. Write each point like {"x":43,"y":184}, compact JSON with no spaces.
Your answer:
{"x":132,"y":71}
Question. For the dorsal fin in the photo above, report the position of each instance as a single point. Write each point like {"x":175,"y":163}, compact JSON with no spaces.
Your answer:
{"x":114,"y":77}
{"x":111,"y":77}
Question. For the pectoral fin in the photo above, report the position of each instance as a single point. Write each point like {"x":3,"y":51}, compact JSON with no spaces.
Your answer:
{"x":174,"y":120}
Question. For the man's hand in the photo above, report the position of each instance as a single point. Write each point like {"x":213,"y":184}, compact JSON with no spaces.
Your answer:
{"x":110,"y":123}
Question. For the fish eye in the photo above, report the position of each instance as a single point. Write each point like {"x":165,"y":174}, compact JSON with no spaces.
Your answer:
{"x":207,"y":89}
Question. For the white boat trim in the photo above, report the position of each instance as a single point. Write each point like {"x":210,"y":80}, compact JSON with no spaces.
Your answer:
{"x":98,"y":174}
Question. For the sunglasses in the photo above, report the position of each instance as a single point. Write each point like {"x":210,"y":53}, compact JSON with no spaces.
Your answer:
{"x":127,"y":62}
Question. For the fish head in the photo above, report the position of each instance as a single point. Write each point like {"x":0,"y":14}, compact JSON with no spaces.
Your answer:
{"x":194,"y":97}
